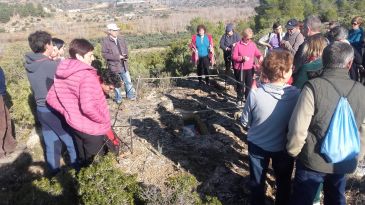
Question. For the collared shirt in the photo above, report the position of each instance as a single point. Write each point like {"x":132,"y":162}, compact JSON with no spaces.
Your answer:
{"x":115,"y":39}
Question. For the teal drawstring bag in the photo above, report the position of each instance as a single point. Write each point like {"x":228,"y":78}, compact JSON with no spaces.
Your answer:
{"x":342,"y":141}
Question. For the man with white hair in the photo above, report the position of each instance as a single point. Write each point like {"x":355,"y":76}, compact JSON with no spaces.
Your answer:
{"x":115,"y":52}
{"x":310,"y":122}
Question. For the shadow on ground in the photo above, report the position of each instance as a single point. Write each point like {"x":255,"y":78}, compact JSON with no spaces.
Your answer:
{"x":21,"y":183}
{"x":219,"y":159}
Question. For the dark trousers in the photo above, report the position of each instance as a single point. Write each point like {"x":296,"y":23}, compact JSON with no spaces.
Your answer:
{"x":55,"y":131}
{"x":88,"y":146}
{"x":282,"y":165}
{"x":246,"y":78}
{"x":307,"y":182}
{"x":227,"y":55}
{"x":7,"y":141}
{"x":203,"y":68}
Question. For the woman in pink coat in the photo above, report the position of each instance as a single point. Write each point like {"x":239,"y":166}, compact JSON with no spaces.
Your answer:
{"x":244,"y":54}
{"x":78,"y":95}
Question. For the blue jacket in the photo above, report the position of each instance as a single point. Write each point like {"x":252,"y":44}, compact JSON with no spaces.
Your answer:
{"x":2,"y":83}
{"x":356,"y":38}
{"x":267,"y":113}
{"x":202,"y":44}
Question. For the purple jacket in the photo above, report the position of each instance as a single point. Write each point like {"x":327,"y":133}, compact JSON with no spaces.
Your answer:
{"x":111,"y":53}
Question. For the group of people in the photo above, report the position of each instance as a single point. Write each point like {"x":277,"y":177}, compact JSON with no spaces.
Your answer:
{"x":70,"y":94}
{"x":288,"y":124}
{"x":302,"y":75}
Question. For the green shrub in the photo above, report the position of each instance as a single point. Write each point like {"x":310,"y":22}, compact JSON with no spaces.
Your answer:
{"x":103,"y":183}
{"x":178,"y":58}
{"x":24,"y":10}
{"x":58,"y":190}
{"x":18,"y":88}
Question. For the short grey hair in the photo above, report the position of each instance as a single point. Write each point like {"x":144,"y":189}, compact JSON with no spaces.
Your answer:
{"x":338,"y":33}
{"x":337,"y":55}
{"x":313,"y":22}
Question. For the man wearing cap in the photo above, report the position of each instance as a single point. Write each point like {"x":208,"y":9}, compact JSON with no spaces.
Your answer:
{"x":293,"y":38}
{"x":115,"y":52}
{"x":227,"y":42}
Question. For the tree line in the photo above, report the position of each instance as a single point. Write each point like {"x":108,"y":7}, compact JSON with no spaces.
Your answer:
{"x":270,"y":11}
{"x":23,"y":10}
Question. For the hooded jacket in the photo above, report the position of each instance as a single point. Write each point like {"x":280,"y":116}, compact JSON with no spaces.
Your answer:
{"x":267,"y":113}
{"x":227,"y":41}
{"x":78,"y":96}
{"x":40,"y":71}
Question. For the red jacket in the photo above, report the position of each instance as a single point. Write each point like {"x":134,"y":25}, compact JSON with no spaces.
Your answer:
{"x":194,"y":55}
{"x":78,"y":96}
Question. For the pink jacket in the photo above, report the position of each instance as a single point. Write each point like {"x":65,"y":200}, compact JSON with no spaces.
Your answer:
{"x":78,"y":96}
{"x":250,"y":50}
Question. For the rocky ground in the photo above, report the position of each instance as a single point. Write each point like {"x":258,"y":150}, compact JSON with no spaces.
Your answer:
{"x":216,"y":153}
{"x":175,"y":127}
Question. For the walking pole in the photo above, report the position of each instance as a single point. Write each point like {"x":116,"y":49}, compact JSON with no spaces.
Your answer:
{"x":241,"y":79}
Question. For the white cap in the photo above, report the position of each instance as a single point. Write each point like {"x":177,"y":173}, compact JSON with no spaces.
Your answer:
{"x":113,"y":27}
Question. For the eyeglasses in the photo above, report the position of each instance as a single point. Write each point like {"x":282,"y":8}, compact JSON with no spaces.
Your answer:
{"x":354,"y":23}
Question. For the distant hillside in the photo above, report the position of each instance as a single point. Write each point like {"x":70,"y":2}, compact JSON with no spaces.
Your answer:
{"x":207,"y":3}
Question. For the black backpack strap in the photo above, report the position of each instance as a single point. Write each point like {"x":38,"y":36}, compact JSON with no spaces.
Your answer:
{"x":351,"y":89}
{"x":339,"y":93}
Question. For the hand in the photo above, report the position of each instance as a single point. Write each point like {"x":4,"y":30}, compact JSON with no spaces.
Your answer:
{"x":121,"y":57}
{"x":233,"y":45}
{"x":245,"y":58}
{"x":269,"y":46}
{"x":228,"y":49}
{"x":261,"y":59}
{"x":285,"y":44}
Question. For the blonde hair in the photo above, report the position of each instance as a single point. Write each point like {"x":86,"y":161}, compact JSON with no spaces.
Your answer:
{"x":314,"y":46}
{"x":247,"y":32}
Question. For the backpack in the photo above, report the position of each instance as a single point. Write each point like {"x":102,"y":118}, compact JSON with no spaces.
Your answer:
{"x":342,"y":141}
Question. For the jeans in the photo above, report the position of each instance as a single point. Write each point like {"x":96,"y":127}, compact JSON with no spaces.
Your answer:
{"x":307,"y":182}
{"x":282,"y":165}
{"x":55,"y":131}
{"x":128,"y":86}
